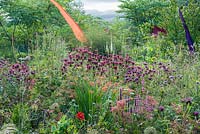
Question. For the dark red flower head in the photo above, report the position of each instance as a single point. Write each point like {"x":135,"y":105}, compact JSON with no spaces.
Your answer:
{"x":80,"y":116}
{"x":156,"y":30}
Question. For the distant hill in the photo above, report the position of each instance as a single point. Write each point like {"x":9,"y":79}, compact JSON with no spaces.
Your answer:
{"x":108,"y":15}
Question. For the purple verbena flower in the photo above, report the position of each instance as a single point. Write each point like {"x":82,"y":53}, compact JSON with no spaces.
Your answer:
{"x":161,"y":108}
{"x":196,"y":113}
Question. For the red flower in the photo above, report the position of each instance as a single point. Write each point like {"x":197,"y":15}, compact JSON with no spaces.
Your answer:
{"x":80,"y":116}
{"x":157,"y":30}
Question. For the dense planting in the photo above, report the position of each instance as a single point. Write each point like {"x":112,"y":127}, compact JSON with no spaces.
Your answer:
{"x":102,"y":90}
{"x":129,"y":76}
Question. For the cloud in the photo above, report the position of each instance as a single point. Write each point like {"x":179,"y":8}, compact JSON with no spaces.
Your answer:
{"x":99,"y":1}
{"x":101,"y":5}
{"x":106,"y":15}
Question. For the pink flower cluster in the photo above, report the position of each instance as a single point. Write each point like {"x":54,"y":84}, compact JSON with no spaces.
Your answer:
{"x":120,"y":106}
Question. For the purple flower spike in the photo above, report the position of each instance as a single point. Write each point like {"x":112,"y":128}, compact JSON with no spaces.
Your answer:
{"x":120,"y":94}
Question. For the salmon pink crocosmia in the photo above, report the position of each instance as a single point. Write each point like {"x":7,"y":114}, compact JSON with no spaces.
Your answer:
{"x":114,"y":109}
{"x":121,"y":104}
{"x":80,"y":116}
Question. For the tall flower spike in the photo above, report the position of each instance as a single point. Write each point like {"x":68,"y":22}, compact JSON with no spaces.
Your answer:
{"x":74,"y":26}
{"x":187,"y":33}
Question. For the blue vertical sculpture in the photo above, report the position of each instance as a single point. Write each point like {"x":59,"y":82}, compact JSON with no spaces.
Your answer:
{"x":187,"y":33}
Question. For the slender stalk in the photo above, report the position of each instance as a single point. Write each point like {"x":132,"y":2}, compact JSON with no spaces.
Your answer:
{"x":13,"y":41}
{"x":6,"y":32}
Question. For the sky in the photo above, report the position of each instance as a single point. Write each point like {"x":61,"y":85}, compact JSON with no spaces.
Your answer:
{"x":101,"y":5}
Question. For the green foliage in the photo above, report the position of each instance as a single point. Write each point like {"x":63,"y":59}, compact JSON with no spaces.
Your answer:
{"x":99,"y":38}
{"x":88,"y":98}
{"x":8,"y":128}
{"x":120,"y":40}
{"x":170,"y":78}
{"x":171,"y":21}
{"x":25,"y":22}
{"x":65,"y":126}
{"x":32,"y":13}
{"x":142,"y":15}
{"x":20,"y":117}
{"x":142,"y":11}
{"x":154,"y":49}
